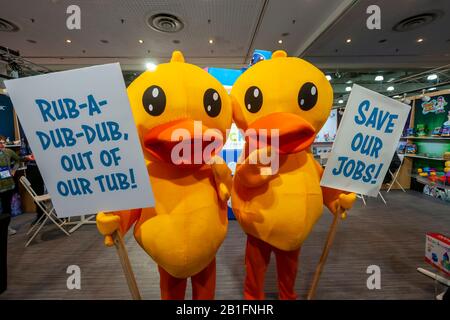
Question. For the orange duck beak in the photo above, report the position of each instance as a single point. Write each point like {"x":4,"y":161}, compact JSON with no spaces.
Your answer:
{"x":184,"y":142}
{"x":294,"y":133}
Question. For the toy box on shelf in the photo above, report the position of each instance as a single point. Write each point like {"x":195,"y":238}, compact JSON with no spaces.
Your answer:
{"x":425,"y":145}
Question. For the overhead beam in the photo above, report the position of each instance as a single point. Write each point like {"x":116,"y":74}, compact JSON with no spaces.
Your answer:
{"x":255,"y":32}
{"x":332,"y":19}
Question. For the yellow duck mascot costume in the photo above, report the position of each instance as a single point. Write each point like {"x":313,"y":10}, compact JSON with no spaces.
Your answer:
{"x":278,"y":209}
{"x":184,"y":230}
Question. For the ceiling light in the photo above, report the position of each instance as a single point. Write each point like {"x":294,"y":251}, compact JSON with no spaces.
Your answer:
{"x":379,"y":78}
{"x":141,"y":41}
{"x":419,"y":40}
{"x":391,"y":79}
{"x":341,"y":101}
{"x":432,"y":89}
{"x":349,"y":81}
{"x":68,"y":41}
{"x":150,"y":66}
{"x":391,"y":88}
{"x":280,"y":41}
{"x":348,"y":40}
{"x":432,"y":77}
{"x":348,"y":89}
{"x":211,"y":41}
{"x":397,"y":96}
{"x":328,"y":77}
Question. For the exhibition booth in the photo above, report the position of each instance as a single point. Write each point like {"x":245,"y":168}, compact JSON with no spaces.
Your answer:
{"x":170,"y":164}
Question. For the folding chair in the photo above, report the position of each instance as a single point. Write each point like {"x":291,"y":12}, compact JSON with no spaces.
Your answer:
{"x":324,"y":158}
{"x":364,"y":200}
{"x":382,"y":198}
{"x":83,"y":221}
{"x":395,"y":175}
{"x":361,"y":197}
{"x":44,"y":202}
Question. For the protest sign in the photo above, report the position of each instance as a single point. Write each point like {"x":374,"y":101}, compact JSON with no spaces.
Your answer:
{"x":81,"y":130}
{"x":365,"y":143}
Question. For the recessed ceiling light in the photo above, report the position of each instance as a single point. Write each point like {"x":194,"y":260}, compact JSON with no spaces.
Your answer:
{"x":348,"y":40}
{"x":328,"y":77}
{"x":341,"y":101}
{"x":419,"y":40}
{"x":432,"y":77}
{"x":348,"y":89}
{"x":150,"y":66}
{"x":141,"y":41}
{"x":396,"y":96}
{"x":379,"y":78}
{"x":68,"y":41}
{"x":432,"y":89}
{"x":391,"y":88}
{"x":280,"y":41}
{"x":211,"y":41}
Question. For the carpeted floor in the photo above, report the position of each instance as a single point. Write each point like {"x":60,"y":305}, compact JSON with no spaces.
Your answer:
{"x":391,"y":237}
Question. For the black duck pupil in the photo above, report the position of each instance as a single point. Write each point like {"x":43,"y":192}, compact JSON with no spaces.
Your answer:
{"x":212,"y":102}
{"x":307,"y":96}
{"x":154,"y":100}
{"x":253,"y":99}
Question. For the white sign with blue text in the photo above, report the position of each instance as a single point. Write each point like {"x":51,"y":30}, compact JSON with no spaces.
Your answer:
{"x":365,"y":143}
{"x":81,"y":130}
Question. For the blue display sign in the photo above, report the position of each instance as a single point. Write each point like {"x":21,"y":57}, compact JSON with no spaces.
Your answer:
{"x":6,"y":117}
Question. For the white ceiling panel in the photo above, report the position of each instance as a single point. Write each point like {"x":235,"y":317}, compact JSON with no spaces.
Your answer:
{"x":386,"y":47}
{"x":294,"y":22}
{"x":230,"y":24}
{"x":315,"y":29}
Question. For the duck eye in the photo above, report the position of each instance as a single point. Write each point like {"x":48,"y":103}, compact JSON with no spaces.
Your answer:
{"x":212,"y":102}
{"x":307,"y":96}
{"x":154,"y":100}
{"x":253,"y":99}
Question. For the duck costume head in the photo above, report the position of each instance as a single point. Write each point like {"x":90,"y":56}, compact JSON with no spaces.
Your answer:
{"x":181,"y":113}
{"x":286,"y":100}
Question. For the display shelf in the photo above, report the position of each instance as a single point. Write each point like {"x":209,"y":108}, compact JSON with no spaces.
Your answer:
{"x":421,"y":157}
{"x":425,"y":138}
{"x":424,"y":180}
{"x":13,"y":145}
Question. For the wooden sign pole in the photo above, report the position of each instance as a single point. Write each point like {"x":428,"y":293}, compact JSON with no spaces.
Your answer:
{"x":117,"y":240}
{"x":326,"y":250}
